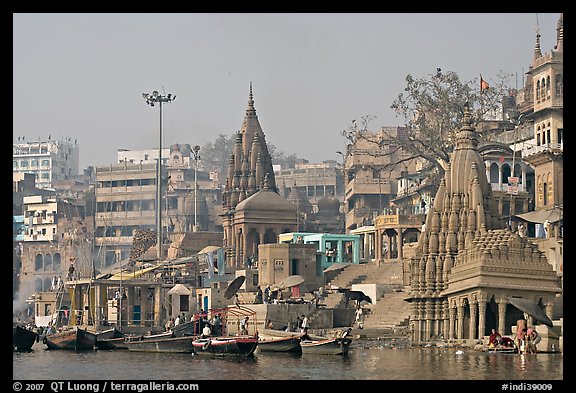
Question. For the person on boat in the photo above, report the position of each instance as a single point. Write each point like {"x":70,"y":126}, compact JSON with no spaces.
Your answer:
{"x":494,"y":339}
{"x":206,"y":332}
{"x":347,"y":332}
{"x":177,"y":321}
{"x":269,"y":324}
{"x":244,"y":326}
{"x":304,"y":327}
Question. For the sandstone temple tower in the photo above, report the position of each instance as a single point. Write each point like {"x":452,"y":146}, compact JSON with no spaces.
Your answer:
{"x":253,"y":211}
{"x":466,"y":265}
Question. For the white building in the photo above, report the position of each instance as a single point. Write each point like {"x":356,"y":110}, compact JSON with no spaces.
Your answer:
{"x":49,"y":161}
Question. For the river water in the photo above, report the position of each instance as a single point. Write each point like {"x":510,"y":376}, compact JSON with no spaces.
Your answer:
{"x":375,"y":361}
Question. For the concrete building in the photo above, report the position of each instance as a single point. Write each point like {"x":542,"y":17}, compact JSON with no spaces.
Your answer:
{"x":125,"y":202}
{"x":370,"y":173}
{"x":49,"y":161}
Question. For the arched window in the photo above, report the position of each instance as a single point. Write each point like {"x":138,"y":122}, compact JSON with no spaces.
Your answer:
{"x":38,"y":285}
{"x":494,"y":173}
{"x":559,"y":85}
{"x":543,"y":89}
{"x":548,"y":86}
{"x":506,"y":172}
{"x":56,"y":262}
{"x":538,"y":91}
{"x":38,"y":262}
{"x":538,"y":136}
{"x":47,"y":262}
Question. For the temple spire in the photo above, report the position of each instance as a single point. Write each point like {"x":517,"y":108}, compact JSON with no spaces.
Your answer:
{"x":250,"y":111}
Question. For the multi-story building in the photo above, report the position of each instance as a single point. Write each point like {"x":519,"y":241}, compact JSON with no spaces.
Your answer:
{"x":315,"y":181}
{"x":49,"y":161}
{"x":54,"y":234}
{"x":125,"y":202}
{"x":370,"y":174}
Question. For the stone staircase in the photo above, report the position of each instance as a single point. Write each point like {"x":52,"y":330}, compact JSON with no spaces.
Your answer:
{"x":390,"y":311}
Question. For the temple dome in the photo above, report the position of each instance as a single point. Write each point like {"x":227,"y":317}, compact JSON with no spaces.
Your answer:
{"x":268,"y":200}
{"x":328,"y":204}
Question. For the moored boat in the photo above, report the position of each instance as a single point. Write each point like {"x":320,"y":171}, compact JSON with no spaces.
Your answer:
{"x":110,"y":339}
{"x":270,"y":340}
{"x":23,"y":338}
{"x":161,"y":343}
{"x":241,"y":346}
{"x":74,"y":338}
{"x":325,"y":346}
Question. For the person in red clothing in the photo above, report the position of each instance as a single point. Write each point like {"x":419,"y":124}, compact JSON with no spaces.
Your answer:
{"x":494,"y":338}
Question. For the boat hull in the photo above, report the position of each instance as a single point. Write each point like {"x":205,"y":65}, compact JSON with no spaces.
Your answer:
{"x":163,"y":344}
{"x":336,"y":346}
{"x":74,"y":339}
{"x":279,"y":344}
{"x":107,"y":339}
{"x":23,"y":338}
{"x":226,"y":346}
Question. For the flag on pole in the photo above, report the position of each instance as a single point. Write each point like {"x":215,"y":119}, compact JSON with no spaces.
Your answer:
{"x":483,"y":84}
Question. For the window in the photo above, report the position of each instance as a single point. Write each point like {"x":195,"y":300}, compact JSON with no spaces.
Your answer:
{"x":559,"y":85}
{"x":24,"y":164}
{"x":184,"y":302}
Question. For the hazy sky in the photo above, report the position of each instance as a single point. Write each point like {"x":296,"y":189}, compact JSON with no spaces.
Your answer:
{"x":83,"y":75}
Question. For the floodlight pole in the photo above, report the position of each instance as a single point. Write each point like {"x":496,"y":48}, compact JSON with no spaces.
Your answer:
{"x":151,"y":99}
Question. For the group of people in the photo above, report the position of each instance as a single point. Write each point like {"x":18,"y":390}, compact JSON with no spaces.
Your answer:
{"x":526,"y":340}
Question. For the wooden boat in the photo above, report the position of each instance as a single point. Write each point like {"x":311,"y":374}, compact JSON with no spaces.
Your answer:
{"x":163,"y":342}
{"x":228,"y":343}
{"x":23,"y":338}
{"x":325,"y":346}
{"x":241,"y":346}
{"x":75,"y":338}
{"x":110,"y":339}
{"x":270,"y":340}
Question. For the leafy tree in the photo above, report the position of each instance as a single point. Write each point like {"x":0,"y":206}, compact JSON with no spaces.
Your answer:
{"x":216,"y":155}
{"x":432,"y":108}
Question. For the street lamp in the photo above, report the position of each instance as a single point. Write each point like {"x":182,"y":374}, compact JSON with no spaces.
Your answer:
{"x":196,"y":152}
{"x":159,"y":99}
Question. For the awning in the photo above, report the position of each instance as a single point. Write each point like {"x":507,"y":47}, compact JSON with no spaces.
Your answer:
{"x":126,"y":275}
{"x":539,"y":216}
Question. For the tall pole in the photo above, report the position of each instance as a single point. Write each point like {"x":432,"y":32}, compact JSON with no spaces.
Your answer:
{"x":516,"y":125}
{"x":196,"y":152}
{"x":151,"y":99}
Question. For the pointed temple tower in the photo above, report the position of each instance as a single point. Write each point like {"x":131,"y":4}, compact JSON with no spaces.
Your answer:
{"x":249,"y":219}
{"x":466,"y":265}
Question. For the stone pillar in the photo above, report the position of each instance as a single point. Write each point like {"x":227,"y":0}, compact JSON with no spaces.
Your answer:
{"x":415,"y":322}
{"x":429,"y":318}
{"x":400,"y":243}
{"x":501,"y":315}
{"x":473,"y":320}
{"x":481,"y":317}
{"x":451,"y":322}
{"x":460,"y":314}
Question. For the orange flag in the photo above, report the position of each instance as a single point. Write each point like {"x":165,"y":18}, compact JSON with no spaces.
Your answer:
{"x":483,"y":84}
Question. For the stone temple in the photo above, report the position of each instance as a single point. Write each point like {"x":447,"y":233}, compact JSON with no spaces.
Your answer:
{"x":467,"y":265}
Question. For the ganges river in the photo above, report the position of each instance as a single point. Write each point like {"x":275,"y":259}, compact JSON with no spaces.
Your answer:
{"x":376,"y":361}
